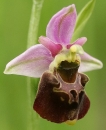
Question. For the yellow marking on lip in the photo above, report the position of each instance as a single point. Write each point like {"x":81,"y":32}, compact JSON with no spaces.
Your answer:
{"x":62,"y":99}
{"x":71,"y":122}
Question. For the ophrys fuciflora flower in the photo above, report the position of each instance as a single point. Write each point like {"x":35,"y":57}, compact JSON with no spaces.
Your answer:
{"x":60,"y":65}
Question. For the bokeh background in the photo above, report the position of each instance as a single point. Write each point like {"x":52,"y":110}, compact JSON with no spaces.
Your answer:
{"x":14,"y":24}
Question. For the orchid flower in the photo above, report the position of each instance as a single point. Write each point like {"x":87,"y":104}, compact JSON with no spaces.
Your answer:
{"x":61,"y":94}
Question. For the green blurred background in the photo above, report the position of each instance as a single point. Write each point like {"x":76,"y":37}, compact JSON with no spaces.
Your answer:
{"x":14,"y":24}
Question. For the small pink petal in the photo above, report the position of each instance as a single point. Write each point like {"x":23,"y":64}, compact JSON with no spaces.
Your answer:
{"x":79,"y":41}
{"x":61,"y":26}
{"x":89,"y":63}
{"x":53,"y":47}
{"x":33,"y":62}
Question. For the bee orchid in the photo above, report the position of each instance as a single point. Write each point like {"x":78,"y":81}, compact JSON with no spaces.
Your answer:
{"x":61,"y":93}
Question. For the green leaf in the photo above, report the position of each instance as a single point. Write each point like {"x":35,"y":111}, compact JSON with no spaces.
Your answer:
{"x":82,"y":18}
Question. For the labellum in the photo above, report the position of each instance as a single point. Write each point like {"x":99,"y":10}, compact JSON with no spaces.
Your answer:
{"x":61,"y":95}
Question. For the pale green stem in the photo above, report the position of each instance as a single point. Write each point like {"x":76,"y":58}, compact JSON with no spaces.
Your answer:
{"x":34,"y":22}
{"x":33,"y":119}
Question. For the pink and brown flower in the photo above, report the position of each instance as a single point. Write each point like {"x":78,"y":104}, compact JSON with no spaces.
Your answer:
{"x":61,"y":93}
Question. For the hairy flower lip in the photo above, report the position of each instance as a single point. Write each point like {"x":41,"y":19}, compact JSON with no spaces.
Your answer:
{"x":59,"y":101}
{"x":54,"y":105}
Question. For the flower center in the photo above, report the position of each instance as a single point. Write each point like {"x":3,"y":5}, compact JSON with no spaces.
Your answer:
{"x":70,"y":55}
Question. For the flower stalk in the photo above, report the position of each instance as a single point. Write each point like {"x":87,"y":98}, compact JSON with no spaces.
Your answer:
{"x":33,"y":121}
{"x":34,"y":22}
